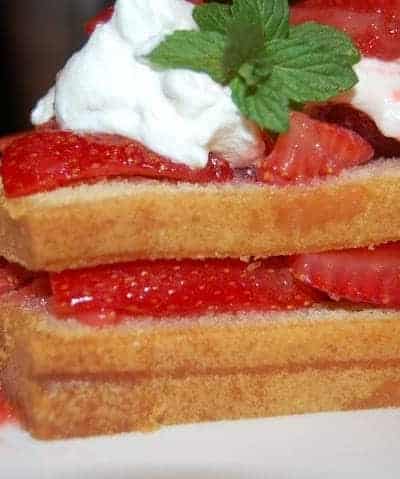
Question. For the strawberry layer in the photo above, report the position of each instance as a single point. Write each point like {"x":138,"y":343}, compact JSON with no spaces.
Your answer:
{"x":374,"y":25}
{"x":50,"y":159}
{"x":345,"y":115}
{"x":338,"y":137}
{"x":313,"y":149}
{"x":180,"y":288}
{"x":171,"y":288}
{"x":6,"y":411}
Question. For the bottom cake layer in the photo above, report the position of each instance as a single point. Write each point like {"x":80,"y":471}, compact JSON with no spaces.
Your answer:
{"x":70,"y":380}
{"x":55,"y":408}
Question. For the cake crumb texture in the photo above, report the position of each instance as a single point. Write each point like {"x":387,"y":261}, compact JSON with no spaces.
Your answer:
{"x":70,"y":380}
{"x":54,"y":409}
{"x":124,"y":220}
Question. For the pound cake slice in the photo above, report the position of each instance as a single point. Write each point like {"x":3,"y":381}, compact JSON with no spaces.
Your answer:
{"x":53,"y":345}
{"x":69,"y":379}
{"x":60,"y":408}
{"x":117,"y":221}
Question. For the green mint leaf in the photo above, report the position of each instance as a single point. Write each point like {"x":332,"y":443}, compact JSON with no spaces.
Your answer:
{"x":212,"y":17}
{"x":240,"y":92}
{"x":325,"y":37}
{"x":248,"y":73}
{"x":269,"y":65}
{"x":264,"y":104}
{"x":192,"y":50}
{"x":245,"y":42}
{"x":272,"y":15}
{"x":313,"y":64}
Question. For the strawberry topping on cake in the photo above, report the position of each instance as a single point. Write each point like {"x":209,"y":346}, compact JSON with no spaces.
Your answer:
{"x":6,"y":410}
{"x":102,"y":17}
{"x":364,"y":275}
{"x":303,"y":64}
{"x":173,"y":288}
{"x":170,"y":288}
{"x":6,"y":141}
{"x":109,"y":294}
{"x":12,"y":276}
{"x":374,"y":25}
{"x":313,"y":149}
{"x":349,"y":117}
{"x":43,"y":161}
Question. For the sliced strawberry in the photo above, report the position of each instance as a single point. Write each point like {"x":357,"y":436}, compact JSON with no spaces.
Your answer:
{"x":269,"y":141}
{"x":6,"y":141}
{"x":6,"y":411}
{"x":360,"y":275}
{"x":356,"y":5}
{"x":313,"y":149}
{"x":345,"y":115}
{"x":45,"y":160}
{"x":373,"y":25}
{"x":51,"y":125}
{"x":169,"y":287}
{"x":37,"y":288}
{"x":102,"y":17}
{"x":12,"y":276}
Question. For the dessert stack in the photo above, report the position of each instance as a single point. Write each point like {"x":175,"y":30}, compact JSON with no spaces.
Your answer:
{"x":260,"y":277}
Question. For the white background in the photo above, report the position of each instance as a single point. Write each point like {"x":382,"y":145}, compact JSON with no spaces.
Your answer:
{"x":361,"y":445}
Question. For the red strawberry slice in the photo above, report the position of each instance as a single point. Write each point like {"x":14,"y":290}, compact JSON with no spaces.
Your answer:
{"x":6,"y":411}
{"x":169,"y":287}
{"x":45,"y":160}
{"x":12,"y":277}
{"x":313,"y":149}
{"x":6,"y":141}
{"x":355,"y":5}
{"x":373,"y":25}
{"x":102,"y":17}
{"x":360,"y":275}
{"x":345,"y":115}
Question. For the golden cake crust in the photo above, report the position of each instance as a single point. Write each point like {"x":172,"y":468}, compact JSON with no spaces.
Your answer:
{"x":121,"y":220}
{"x":53,"y":408}
{"x":71,"y":380}
{"x":204,"y":344}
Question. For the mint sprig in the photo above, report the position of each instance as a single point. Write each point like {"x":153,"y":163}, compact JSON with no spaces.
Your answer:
{"x":268,"y":64}
{"x":272,"y":15}
{"x":193,"y":50}
{"x":266,"y":106}
{"x":244,"y":41}
{"x":312,"y":64}
{"x":212,"y":17}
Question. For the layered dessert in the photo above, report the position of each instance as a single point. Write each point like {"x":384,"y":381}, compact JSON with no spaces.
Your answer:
{"x":204,"y":223}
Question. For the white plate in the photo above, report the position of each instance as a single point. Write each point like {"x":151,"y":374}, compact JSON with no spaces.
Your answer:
{"x":360,"y":445}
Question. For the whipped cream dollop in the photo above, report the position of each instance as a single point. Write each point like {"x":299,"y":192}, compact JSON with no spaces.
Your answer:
{"x":110,"y":87}
{"x":378,"y":93}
